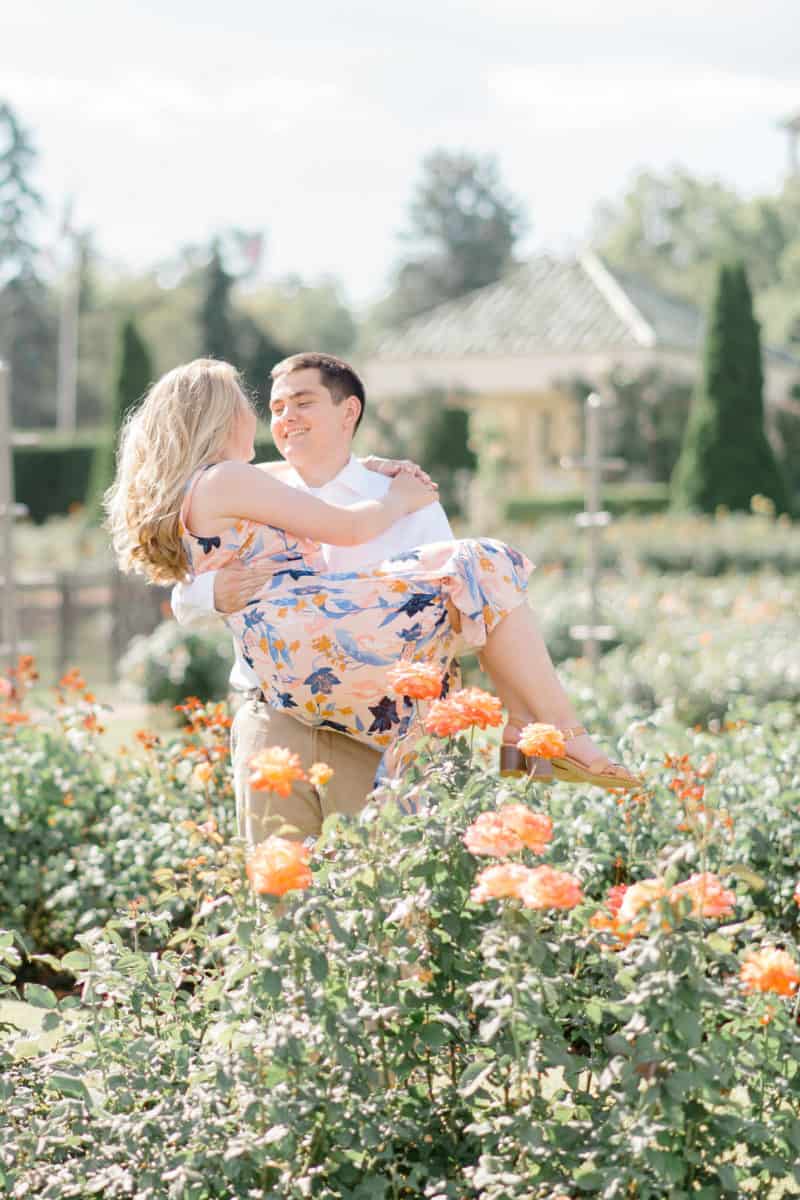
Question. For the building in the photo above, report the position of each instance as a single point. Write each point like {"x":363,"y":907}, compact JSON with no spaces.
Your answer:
{"x":508,"y":349}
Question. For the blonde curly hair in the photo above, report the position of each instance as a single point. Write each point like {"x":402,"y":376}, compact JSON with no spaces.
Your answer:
{"x":184,"y":422}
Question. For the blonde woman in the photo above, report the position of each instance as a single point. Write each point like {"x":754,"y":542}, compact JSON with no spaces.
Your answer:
{"x":187,"y":500}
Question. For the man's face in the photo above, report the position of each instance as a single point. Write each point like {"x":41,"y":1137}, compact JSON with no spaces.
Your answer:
{"x":306,"y":425}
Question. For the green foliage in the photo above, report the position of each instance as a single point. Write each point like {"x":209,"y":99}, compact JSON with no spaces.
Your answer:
{"x":218,"y":335}
{"x":619,"y":499}
{"x":463,"y":228}
{"x":172,"y":662}
{"x":385,"y":1034}
{"x":134,"y":375}
{"x":675,"y":228}
{"x":66,"y":463}
{"x":726,"y":458}
{"x":83,"y":829}
{"x":426,"y":427}
{"x":304,"y":315}
{"x":27,"y":312}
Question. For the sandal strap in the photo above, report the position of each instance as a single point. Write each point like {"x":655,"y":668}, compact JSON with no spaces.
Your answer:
{"x":574,"y":732}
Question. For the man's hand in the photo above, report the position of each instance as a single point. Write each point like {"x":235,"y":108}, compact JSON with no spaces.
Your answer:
{"x":236,"y":584}
{"x":394,"y":466}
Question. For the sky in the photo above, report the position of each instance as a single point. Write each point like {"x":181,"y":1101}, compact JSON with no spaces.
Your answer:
{"x":309,"y":120}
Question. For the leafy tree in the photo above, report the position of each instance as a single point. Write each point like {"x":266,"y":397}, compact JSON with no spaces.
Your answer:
{"x":305,"y":316}
{"x":726,"y":458}
{"x":426,"y":427}
{"x":217,"y":321}
{"x":260,"y":352}
{"x":133,"y":376}
{"x":27,"y":326}
{"x":464,"y":225}
{"x":646,"y":424}
{"x":675,"y":228}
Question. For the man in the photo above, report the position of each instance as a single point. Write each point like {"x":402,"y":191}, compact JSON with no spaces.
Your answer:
{"x":316,"y":405}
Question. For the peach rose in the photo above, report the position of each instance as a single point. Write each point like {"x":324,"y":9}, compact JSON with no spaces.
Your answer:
{"x":542,"y":741}
{"x":640,"y":896}
{"x":445,"y":718}
{"x":418,"y":681}
{"x":770,"y":970}
{"x":709,"y":898}
{"x":320,"y":775}
{"x":548,"y":888}
{"x":500,"y":881}
{"x":275,"y":770}
{"x":534,"y":829}
{"x":278,"y":866}
{"x":489,"y":834}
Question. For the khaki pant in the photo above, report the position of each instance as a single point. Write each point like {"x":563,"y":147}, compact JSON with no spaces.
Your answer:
{"x":261,"y":813}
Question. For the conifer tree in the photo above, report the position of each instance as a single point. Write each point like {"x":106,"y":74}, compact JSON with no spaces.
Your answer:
{"x":726,"y":458}
{"x":217,"y":322}
{"x":133,"y":376}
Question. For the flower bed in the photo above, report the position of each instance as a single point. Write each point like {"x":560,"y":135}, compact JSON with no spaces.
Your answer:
{"x":482,"y":988}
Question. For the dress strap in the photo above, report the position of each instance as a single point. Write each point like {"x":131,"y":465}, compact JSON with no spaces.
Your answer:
{"x":188,"y":492}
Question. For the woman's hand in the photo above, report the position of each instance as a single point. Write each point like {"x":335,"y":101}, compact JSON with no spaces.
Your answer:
{"x":395,"y":466}
{"x":407,"y":493}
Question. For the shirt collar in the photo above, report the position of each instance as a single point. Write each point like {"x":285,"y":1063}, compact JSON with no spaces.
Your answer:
{"x":354,"y":476}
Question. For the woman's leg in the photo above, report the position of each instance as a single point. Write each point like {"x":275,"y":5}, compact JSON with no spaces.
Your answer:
{"x":521,"y":669}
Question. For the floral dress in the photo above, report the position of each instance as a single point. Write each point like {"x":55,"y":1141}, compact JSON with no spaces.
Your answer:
{"x":321,"y":642}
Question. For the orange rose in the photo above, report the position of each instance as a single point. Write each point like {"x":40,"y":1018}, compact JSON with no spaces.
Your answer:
{"x":275,"y":770}
{"x":446,"y":717}
{"x":418,"y":681}
{"x":770,"y":970}
{"x":500,"y":881}
{"x":202,"y":774}
{"x":709,"y":898}
{"x":640,"y":896}
{"x":615,"y":897}
{"x":481,"y":707}
{"x":533,"y":829}
{"x":489,"y":834}
{"x":542,"y":741}
{"x":320,"y":774}
{"x":548,"y":888}
{"x":278,"y":866}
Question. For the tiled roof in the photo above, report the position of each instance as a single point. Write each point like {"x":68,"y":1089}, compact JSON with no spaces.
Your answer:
{"x":546,"y":305}
{"x":551,"y":306}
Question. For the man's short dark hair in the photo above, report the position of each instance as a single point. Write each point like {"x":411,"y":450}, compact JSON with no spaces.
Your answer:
{"x":337,"y":376}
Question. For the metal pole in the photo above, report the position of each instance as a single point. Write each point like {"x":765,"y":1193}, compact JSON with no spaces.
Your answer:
{"x":9,"y":636}
{"x":593,"y":451}
{"x":67,"y":391}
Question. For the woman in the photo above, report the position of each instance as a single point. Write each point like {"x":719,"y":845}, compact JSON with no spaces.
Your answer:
{"x":187,"y":500}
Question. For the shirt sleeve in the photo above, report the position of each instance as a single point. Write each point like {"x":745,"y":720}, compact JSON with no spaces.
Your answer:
{"x":193,"y":603}
{"x":433,"y":525}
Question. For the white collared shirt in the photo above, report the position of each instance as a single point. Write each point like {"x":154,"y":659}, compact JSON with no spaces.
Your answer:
{"x":193,"y":603}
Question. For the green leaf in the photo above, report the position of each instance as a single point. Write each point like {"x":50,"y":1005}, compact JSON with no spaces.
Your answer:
{"x":68,"y":1085}
{"x":756,"y":882}
{"x":76,"y":960}
{"x":475,"y":1076}
{"x":40,"y":997}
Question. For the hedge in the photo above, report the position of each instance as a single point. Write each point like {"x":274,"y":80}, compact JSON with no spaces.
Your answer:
{"x":55,"y":474}
{"x":638,"y":499}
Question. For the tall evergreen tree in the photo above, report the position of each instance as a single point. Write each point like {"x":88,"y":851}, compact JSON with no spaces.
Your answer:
{"x":726,"y":458}
{"x":133,"y":376}
{"x":27,"y":325}
{"x":217,"y":322}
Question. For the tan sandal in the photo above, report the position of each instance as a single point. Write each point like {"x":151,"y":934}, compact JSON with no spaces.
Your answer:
{"x":515,"y":764}
{"x":601,"y":772}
